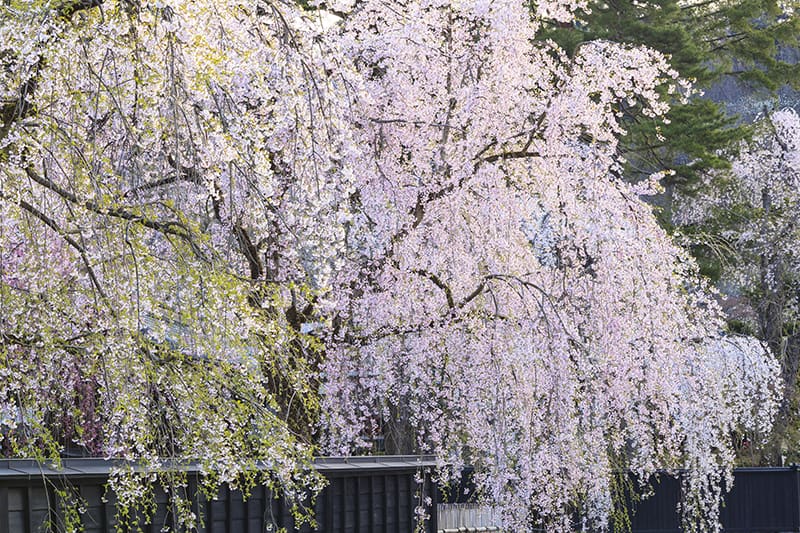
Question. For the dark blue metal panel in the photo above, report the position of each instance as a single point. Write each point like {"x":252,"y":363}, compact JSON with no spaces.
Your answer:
{"x":658,"y":513}
{"x":373,"y":495}
{"x":762,"y":500}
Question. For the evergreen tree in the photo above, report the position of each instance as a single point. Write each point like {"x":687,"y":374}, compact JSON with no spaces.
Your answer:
{"x":705,"y":41}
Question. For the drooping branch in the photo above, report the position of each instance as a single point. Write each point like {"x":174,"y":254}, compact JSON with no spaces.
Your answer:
{"x":172,"y":227}
{"x":32,"y":341}
{"x":49,"y":222}
{"x":184,"y":173}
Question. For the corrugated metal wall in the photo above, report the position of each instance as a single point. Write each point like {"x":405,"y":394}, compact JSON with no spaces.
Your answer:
{"x":364,"y":495}
{"x":762,"y":500}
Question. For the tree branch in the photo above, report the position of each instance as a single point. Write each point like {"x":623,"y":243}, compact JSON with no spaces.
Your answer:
{"x":439,"y":283}
{"x":518,"y":154}
{"x":67,"y":9}
{"x":249,"y":251}
{"x":49,"y":222}
{"x":174,"y":228}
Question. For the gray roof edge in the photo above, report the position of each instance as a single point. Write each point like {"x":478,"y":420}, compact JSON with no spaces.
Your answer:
{"x":27,"y":468}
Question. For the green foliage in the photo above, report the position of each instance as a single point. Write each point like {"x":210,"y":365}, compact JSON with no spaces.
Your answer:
{"x":622,"y":489}
{"x":740,"y":327}
{"x":704,"y":42}
{"x":71,"y":506}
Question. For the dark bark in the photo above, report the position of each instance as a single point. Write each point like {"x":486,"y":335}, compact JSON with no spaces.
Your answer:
{"x":399,"y":435}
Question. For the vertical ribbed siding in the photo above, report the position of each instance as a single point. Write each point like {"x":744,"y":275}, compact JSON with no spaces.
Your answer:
{"x":374,"y":495}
